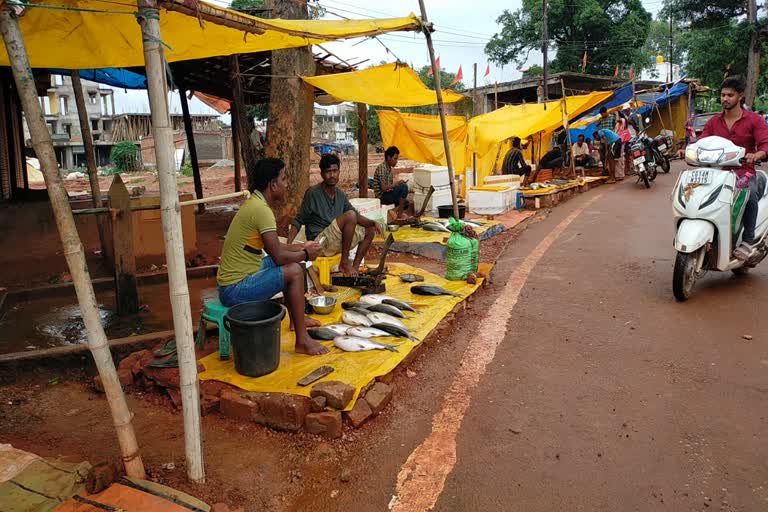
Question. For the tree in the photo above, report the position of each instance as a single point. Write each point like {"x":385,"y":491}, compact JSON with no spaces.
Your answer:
{"x":658,"y":42}
{"x":533,"y":71}
{"x":611,"y":32}
{"x":374,"y":132}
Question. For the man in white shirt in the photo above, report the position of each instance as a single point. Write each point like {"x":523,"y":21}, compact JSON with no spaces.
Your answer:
{"x":580,"y":153}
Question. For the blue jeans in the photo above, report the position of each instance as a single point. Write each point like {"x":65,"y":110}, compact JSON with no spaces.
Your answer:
{"x":262,"y":285}
{"x":393,"y":196}
{"x":750,"y":212}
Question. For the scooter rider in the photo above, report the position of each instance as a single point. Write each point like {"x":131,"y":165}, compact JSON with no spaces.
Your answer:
{"x":748,"y":130}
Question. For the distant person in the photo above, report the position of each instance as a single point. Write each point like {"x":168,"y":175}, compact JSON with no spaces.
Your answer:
{"x":514,"y":163}
{"x":255,"y":265}
{"x":622,"y":130}
{"x":330,"y":218}
{"x":610,"y":149}
{"x":606,"y":120}
{"x":384,"y":186}
{"x":552,"y":159}
{"x":581,"y":153}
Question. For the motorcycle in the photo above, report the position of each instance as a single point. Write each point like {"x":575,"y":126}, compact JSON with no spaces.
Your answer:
{"x":660,"y":145}
{"x":643,"y":162}
{"x":708,"y":209}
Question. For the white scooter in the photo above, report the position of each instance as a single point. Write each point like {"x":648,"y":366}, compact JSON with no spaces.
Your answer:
{"x":708,"y":210}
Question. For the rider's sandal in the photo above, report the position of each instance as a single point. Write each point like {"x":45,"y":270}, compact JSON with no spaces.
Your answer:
{"x":743,"y":251}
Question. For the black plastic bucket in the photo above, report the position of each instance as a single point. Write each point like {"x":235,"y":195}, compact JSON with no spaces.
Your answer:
{"x":446,"y":210}
{"x":254,"y":329}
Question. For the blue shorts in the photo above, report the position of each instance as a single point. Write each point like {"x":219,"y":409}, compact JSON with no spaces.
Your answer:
{"x":262,"y":285}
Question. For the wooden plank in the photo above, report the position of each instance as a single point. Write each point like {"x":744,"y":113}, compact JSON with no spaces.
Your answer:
{"x":126,"y":291}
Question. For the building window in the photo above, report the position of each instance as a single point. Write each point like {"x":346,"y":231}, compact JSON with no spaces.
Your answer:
{"x":95,"y":125}
{"x":57,"y":80}
{"x":45,"y":104}
{"x":93,"y":98}
{"x":104,"y":105}
{"x":63,"y":105}
{"x":68,"y":130}
{"x":106,"y":125}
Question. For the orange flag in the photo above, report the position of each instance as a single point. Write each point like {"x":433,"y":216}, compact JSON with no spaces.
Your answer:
{"x":487,"y":70}
{"x":437,"y":64}
{"x":616,"y":71}
{"x":584,"y":62}
{"x":631,"y":73}
{"x":458,"y":77}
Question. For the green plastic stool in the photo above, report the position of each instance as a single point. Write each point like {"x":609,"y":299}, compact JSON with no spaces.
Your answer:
{"x":214,"y":311}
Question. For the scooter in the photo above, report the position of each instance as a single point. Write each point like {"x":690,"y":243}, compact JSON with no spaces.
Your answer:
{"x":708,"y":209}
{"x":643,"y":164}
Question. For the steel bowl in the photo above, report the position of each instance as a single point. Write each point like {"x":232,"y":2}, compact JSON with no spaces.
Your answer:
{"x":322,"y":305}
{"x":392,"y":227}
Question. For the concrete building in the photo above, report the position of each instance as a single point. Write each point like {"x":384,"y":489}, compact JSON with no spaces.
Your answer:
{"x":330,"y":123}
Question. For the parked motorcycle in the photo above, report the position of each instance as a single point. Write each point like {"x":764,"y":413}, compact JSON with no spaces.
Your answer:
{"x":661,"y":145}
{"x":708,"y":209}
{"x":643,"y":159}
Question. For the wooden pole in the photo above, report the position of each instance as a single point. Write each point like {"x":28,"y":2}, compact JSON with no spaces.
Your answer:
{"x":236,"y":153}
{"x":244,"y":127}
{"x":474,"y":113}
{"x":441,"y":108}
{"x":170,"y":214}
{"x":544,"y":50}
{"x":190,"y":132}
{"x":90,"y":156}
{"x":362,"y":143}
{"x":753,"y":55}
{"x":495,"y":95}
{"x":567,"y":131}
{"x":73,"y":248}
{"x":124,"y":260}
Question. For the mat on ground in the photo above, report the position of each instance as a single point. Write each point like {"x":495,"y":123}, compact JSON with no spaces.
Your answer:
{"x":422,"y":236}
{"x":354,"y":368}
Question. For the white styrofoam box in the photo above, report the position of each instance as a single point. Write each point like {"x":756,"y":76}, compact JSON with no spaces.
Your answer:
{"x":502,"y":179}
{"x":430,"y":175}
{"x":488,"y":202}
{"x":439,"y":198}
{"x":363,"y":205}
{"x":469,"y":173}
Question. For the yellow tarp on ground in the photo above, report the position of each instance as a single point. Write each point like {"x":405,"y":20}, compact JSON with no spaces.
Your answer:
{"x":354,"y":368}
{"x":421,"y":236}
{"x":70,"y":39}
{"x":419,"y":137}
{"x":388,"y":85}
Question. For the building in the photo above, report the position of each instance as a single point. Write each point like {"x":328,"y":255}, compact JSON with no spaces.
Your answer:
{"x":331,"y":123}
{"x":659,"y":72}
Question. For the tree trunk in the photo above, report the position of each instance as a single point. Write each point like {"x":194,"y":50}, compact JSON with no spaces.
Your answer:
{"x":237,"y":155}
{"x":291,"y":110}
{"x":753,"y":57}
{"x":190,"y":132}
{"x":73,"y":248}
{"x":362,"y":148}
{"x":90,"y":157}
{"x":170,"y":214}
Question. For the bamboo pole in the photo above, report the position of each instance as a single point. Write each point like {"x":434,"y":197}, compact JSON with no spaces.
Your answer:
{"x":362,"y":147}
{"x":236,"y":153}
{"x":190,"y":132}
{"x":170,"y":214}
{"x":90,"y":155}
{"x":567,"y":131}
{"x":73,"y":247}
{"x":426,"y":27}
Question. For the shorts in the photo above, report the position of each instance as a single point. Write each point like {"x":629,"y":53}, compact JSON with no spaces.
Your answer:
{"x":331,"y":245}
{"x":261,"y":285}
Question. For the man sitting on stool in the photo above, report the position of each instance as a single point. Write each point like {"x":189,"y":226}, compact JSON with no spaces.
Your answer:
{"x":384,"y":186}
{"x":580,"y":152}
{"x":514,"y":163}
{"x":330,"y":218}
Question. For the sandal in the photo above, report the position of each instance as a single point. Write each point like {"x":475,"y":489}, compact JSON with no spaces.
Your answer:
{"x":743,"y":251}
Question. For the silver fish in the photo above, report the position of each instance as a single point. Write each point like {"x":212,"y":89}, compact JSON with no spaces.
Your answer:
{"x":395,"y":330}
{"x":383,"y":318}
{"x":354,"y":318}
{"x":322,"y":333}
{"x":353,"y":304}
{"x":403,"y":306}
{"x":339,"y":329}
{"x":386,"y":308}
{"x":356,"y":344}
{"x":367,"y":332}
{"x":431,"y":289}
{"x":363,"y":311}
{"x":433,"y":226}
{"x":374,"y":298}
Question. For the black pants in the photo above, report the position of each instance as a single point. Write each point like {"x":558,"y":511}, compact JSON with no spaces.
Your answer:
{"x":583,"y":161}
{"x":393,"y":196}
{"x":525,"y":170}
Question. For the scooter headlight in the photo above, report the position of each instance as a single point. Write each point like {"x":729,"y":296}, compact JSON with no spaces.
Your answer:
{"x":691,"y":156}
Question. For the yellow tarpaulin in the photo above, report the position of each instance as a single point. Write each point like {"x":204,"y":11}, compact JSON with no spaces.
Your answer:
{"x":388,"y":85}
{"x":76,"y":39}
{"x":354,"y":368}
{"x":421,"y":236}
{"x":419,"y":137}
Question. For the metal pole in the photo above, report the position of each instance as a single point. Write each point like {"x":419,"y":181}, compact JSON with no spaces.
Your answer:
{"x":149,"y":18}
{"x":362,"y":148}
{"x":565,"y":126}
{"x":190,"y":132}
{"x":441,"y":108}
{"x":669,"y":75}
{"x":544,"y":50}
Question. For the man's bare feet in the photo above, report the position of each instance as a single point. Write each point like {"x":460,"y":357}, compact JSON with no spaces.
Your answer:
{"x":306,"y":345}
{"x":347,"y":268}
{"x":308,"y":321}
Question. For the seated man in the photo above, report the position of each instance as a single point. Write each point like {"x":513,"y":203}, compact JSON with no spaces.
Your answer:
{"x":329,"y":218}
{"x":514,"y":163}
{"x":246,"y":273}
{"x":386,"y":190}
{"x":580,"y":152}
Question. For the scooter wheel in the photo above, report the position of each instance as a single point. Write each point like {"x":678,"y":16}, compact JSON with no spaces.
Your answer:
{"x":741,"y":271}
{"x":684,"y":276}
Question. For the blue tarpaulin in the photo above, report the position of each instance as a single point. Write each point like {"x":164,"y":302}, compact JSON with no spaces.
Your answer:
{"x":660,"y":98}
{"x":620,"y":96}
{"x":116,"y":77}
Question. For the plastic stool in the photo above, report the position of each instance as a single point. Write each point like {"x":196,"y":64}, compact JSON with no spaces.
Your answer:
{"x":214,"y":311}
{"x":324,"y":266}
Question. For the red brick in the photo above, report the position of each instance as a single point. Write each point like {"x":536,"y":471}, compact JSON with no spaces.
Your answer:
{"x":378,"y":397}
{"x":209,"y":404}
{"x":175,"y":395}
{"x":214,"y":387}
{"x":97,"y":384}
{"x":131,"y":359}
{"x":318,"y":404}
{"x":125,"y":376}
{"x":280,"y":411}
{"x":386,"y":379}
{"x":143,"y":361}
{"x":359,"y":413}
{"x":338,"y":394}
{"x":236,"y":406}
{"x":163,"y":377}
{"x":326,"y":424}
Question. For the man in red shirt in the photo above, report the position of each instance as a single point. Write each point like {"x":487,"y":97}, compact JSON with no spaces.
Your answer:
{"x":748,"y":130}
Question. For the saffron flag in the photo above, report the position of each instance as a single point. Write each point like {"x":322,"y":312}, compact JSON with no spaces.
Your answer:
{"x":487,"y":70}
{"x":459,"y":76}
{"x":437,"y":65}
{"x":616,"y":71}
{"x":631,"y":73}
{"x":584,"y":62}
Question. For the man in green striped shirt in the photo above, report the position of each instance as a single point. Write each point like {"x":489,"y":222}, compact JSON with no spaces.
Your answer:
{"x":386,"y":190}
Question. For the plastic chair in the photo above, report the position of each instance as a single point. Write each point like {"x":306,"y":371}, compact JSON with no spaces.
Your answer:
{"x":214,"y":311}
{"x":324,"y":266}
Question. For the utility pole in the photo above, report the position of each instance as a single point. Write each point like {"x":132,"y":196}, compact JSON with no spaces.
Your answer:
{"x":670,"y":76}
{"x":544,"y":48}
{"x":753,"y":57}
{"x":474,"y":90}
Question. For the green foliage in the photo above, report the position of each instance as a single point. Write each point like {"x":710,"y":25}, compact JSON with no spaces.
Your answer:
{"x":258,"y":112}
{"x":658,"y":42}
{"x":374,"y":132}
{"x":533,"y":71}
{"x":186,"y":169}
{"x":258,"y":8}
{"x":611,"y":32}
{"x":125,"y":157}
{"x":705,"y":13}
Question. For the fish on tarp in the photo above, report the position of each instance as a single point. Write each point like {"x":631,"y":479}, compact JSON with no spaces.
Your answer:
{"x":363,"y":311}
{"x":399,"y":304}
{"x":338,"y":328}
{"x":410,"y":278}
{"x":322,"y":333}
{"x":375,"y":298}
{"x":355,"y":319}
{"x":367,"y":332}
{"x":357,"y":344}
{"x":386,"y":308}
{"x":383,"y":318}
{"x":395,"y":330}
{"x":431,"y":289}
{"x":434,"y":226}
{"x":350,"y":304}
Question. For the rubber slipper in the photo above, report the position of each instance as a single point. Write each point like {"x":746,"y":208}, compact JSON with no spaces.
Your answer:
{"x":168,"y":348}
{"x":743,"y":252}
{"x":170,"y":361}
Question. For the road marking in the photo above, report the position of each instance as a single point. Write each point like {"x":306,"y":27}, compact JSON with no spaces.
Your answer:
{"x":422,"y":477}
